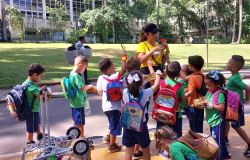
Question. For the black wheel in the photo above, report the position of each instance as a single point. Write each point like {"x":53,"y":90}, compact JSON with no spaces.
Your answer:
{"x":81,"y":147}
{"x":73,"y":130}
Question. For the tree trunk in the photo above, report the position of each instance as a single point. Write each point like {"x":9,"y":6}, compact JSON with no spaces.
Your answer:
{"x":240,"y":25}
{"x":4,"y":32}
{"x":235,"y":4}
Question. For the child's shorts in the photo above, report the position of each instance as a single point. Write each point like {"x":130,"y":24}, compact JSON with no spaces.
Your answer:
{"x":241,"y":121}
{"x":33,"y":122}
{"x":78,"y":116}
{"x":186,"y":111}
{"x":114,"y":122}
{"x":130,"y":137}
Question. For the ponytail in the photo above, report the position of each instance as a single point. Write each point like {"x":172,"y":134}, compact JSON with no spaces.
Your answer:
{"x":142,"y":36}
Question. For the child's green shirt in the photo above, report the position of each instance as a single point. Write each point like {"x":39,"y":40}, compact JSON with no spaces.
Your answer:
{"x":30,"y":92}
{"x":81,"y":96}
{"x":185,"y":85}
{"x":213,"y":115}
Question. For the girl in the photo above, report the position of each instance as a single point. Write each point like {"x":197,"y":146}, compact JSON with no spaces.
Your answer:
{"x":166,"y":139}
{"x":134,"y":82}
{"x":216,"y":81}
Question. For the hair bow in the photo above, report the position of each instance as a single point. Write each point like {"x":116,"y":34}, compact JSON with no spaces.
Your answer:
{"x":134,"y":78}
{"x":215,"y":75}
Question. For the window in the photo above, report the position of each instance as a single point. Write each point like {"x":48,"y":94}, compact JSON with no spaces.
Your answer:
{"x":16,"y":3}
{"x":28,"y":4}
{"x":34,"y":5}
{"x":39,"y":6}
{"x":40,"y":15}
{"x":29,"y":14}
{"x":23,"y":13}
{"x":22,"y":4}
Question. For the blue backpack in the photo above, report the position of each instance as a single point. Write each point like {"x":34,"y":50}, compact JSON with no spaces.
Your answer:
{"x":113,"y":90}
{"x":133,"y":114}
{"x":17,"y":102}
{"x":68,"y":90}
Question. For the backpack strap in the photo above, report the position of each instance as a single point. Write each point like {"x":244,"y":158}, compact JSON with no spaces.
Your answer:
{"x":75,"y":90}
{"x":177,"y":86}
{"x":111,"y":80}
{"x":163,"y":84}
{"x":215,"y":96}
{"x":197,"y":90}
{"x":139,"y":99}
{"x":34,"y":97}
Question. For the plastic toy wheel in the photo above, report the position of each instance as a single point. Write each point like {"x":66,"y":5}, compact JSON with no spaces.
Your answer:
{"x":81,"y":147}
{"x":73,"y":130}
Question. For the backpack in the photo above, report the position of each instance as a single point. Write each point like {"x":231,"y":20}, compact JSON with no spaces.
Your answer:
{"x":204,"y":145}
{"x":17,"y":102}
{"x":166,"y":104}
{"x":133,"y":110}
{"x":203,"y":90}
{"x":231,"y":112}
{"x":113,"y":90}
{"x":68,"y":90}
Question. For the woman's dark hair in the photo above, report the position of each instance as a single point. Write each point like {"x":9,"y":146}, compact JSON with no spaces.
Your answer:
{"x":163,"y":132}
{"x":134,"y":87}
{"x":142,"y":36}
{"x":221,"y":82}
{"x":35,"y":68}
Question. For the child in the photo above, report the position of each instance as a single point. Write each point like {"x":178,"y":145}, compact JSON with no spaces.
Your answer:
{"x":235,"y":84}
{"x":216,"y":81}
{"x":35,"y":73}
{"x":77,"y":102}
{"x":187,"y":72}
{"x":196,"y":116}
{"x":111,"y":109}
{"x":165,"y":137}
{"x":129,"y":136}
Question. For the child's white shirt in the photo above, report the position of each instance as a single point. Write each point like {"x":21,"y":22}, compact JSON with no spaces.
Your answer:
{"x":102,"y":86}
{"x":146,"y":94}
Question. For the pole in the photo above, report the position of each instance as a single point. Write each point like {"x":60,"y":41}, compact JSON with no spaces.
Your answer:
{"x":157,"y":4}
{"x":207,"y":35}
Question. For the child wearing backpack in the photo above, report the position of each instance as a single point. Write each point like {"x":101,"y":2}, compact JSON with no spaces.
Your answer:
{"x":35,"y":73}
{"x":195,"y":85}
{"x":235,"y":84}
{"x":215,"y":82}
{"x":112,"y":109}
{"x":133,"y":132}
{"x":77,"y":102}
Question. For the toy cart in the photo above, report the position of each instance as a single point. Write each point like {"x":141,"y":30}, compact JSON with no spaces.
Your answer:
{"x":51,"y":146}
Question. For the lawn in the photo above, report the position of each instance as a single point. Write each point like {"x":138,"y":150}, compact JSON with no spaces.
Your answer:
{"x":15,"y":58}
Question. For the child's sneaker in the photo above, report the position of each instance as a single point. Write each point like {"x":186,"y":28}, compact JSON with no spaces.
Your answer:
{"x":138,"y":156}
{"x":228,"y":157}
{"x":227,"y":141}
{"x":114,"y":148}
{"x":106,"y":140}
{"x":247,"y":152}
{"x":32,"y":142}
{"x":39,"y":137}
{"x":163,"y":154}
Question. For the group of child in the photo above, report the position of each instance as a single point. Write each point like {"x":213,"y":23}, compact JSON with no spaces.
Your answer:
{"x":189,"y":75}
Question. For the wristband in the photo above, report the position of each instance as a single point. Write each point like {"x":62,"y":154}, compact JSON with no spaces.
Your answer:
{"x":209,"y":105}
{"x":124,"y":58}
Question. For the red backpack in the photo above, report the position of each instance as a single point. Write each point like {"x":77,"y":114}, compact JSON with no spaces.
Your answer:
{"x":113,"y":90}
{"x":166,"y":104}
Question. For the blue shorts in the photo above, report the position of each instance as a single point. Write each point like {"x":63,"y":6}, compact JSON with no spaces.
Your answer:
{"x":177,"y":127}
{"x":241,"y":121}
{"x":186,"y":111}
{"x":33,"y":122}
{"x":130,"y":137}
{"x":78,"y":116}
{"x":114,"y":122}
{"x":196,"y":117}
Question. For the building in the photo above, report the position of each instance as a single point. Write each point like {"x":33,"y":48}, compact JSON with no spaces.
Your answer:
{"x":37,"y":26}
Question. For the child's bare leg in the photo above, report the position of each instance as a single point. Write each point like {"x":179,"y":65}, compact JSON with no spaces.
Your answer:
{"x":112,"y":139}
{"x":227,"y":129}
{"x":146,"y":153}
{"x":29,"y":137}
{"x":108,"y":133}
{"x":81,"y":127}
{"x":136,"y":150}
{"x":129,"y":153}
{"x":39,"y":130}
{"x":243,"y":134}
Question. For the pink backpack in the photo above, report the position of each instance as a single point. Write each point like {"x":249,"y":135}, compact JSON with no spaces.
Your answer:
{"x":231,"y":106}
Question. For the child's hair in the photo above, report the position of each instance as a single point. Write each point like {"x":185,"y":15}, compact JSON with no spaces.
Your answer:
{"x":188,"y":72}
{"x":104,"y":64}
{"x":134,"y":87}
{"x":142,"y":36}
{"x":164,"y":132}
{"x":196,"y":62}
{"x":238,"y":61}
{"x":81,"y":38}
{"x":133,"y":63}
{"x":173,"y":69}
{"x":217,"y":78}
{"x":35,"y":68}
{"x":81,"y":59}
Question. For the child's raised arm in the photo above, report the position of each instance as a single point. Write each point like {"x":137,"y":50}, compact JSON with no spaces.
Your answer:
{"x":150,"y":66}
{"x":85,"y":88}
{"x":123,"y":70}
{"x":157,"y":83}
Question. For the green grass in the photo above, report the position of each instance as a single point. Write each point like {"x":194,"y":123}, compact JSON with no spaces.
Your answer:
{"x":15,"y":58}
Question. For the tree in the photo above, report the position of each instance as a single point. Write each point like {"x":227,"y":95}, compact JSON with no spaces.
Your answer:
{"x":14,"y":17}
{"x":58,"y":17}
{"x":235,"y":4}
{"x":240,"y":21}
{"x":4,"y":33}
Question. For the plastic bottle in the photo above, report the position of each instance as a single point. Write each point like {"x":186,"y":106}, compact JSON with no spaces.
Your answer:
{"x":87,"y":110}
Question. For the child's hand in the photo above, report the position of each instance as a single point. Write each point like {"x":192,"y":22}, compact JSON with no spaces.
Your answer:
{"x":144,"y":76}
{"x":91,"y":86}
{"x":150,"y":63}
{"x":124,"y":53}
{"x":204,"y":103}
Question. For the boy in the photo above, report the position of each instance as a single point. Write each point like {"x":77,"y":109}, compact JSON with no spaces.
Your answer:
{"x":35,"y":72}
{"x":111,"y":109}
{"x":196,"y":115}
{"x":235,"y":84}
{"x":77,"y":102}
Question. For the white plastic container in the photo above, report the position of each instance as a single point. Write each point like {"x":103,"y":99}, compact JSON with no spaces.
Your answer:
{"x":87,"y":110}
